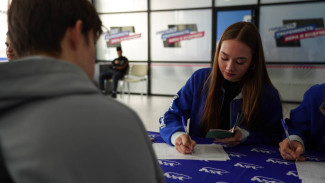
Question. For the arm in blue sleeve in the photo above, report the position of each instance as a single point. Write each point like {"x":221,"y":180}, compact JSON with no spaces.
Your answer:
{"x":181,"y":105}
{"x":299,"y":122}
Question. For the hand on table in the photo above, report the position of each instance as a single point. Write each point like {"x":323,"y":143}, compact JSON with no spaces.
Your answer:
{"x":232,"y":141}
{"x":289,"y":154}
{"x":184,"y":144}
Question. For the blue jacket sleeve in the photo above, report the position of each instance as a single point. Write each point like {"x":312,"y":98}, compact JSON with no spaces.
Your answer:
{"x":182,"y":105}
{"x":307,"y":120}
{"x":171,"y":121}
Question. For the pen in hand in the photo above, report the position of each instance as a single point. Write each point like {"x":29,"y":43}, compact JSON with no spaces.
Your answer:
{"x":287,"y":134}
{"x":186,"y":131}
{"x":238,"y":119}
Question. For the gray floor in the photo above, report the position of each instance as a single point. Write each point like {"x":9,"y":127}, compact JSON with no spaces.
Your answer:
{"x":150,"y":108}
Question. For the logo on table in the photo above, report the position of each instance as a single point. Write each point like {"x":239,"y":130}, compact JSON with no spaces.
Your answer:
{"x":247,"y":165}
{"x":262,"y":150}
{"x":213,"y":170}
{"x":153,"y":135}
{"x":176,"y":176}
{"x":169,"y":163}
{"x":314,"y":158}
{"x":236,"y":155}
{"x":278,"y":161}
{"x":265,"y":179}
{"x":293,"y":173}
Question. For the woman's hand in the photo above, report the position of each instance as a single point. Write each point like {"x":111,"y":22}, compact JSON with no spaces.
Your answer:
{"x":288,"y":154}
{"x":232,"y":141}
{"x":184,"y":144}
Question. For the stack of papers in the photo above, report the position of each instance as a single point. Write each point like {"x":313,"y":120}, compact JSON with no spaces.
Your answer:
{"x":311,"y":172}
{"x":201,"y":152}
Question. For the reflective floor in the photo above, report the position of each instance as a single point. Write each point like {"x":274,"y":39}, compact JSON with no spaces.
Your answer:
{"x":150,"y":108}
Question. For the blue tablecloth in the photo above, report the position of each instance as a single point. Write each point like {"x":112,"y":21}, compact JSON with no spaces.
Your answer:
{"x":247,"y":164}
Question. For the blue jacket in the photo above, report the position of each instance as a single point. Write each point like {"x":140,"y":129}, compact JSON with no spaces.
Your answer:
{"x":189,"y":103}
{"x":308,"y":119}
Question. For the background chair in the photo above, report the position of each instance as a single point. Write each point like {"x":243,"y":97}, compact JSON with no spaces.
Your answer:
{"x":138,"y":73}
{"x":109,"y":82}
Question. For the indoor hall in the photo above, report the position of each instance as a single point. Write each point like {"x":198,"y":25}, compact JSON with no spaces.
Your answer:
{"x":91,"y":137}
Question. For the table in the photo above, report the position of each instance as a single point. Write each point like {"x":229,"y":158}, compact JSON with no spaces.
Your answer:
{"x":248,"y":163}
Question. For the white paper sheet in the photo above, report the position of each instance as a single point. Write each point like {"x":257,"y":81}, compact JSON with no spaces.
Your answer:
{"x":310,"y":171}
{"x":201,"y":152}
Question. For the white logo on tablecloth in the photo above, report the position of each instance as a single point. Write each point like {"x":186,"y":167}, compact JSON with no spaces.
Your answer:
{"x":213,"y":170}
{"x":236,"y":155}
{"x":278,"y":161}
{"x":169,"y":163}
{"x":265,"y":179}
{"x":262,"y":150}
{"x":153,"y":135}
{"x":247,"y":165}
{"x":313,"y":158}
{"x":176,"y":176}
{"x":293,"y":173}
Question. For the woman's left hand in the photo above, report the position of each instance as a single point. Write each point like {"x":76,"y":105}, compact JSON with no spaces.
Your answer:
{"x":232,"y":141}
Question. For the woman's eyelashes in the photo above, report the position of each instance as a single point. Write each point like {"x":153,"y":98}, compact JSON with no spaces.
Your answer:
{"x":240,"y":61}
{"x":224,"y":58}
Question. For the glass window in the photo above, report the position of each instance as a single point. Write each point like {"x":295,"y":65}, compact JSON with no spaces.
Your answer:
{"x":108,"y":6}
{"x":226,"y":18}
{"x":168,"y":79}
{"x":179,"y":4}
{"x":181,"y":35}
{"x":293,"y":33}
{"x":130,"y":31}
{"x":234,"y":2}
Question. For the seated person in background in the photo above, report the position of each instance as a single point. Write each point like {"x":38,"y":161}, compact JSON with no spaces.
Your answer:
{"x":119,"y":67}
{"x":10,"y":51}
{"x":306,"y":125}
{"x":237,"y":83}
{"x":55,"y":125}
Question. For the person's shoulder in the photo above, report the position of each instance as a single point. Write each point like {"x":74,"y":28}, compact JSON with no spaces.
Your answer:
{"x":316,"y":91}
{"x":270,"y":91}
{"x":316,"y":88}
{"x":269,"y":87}
{"x":202,"y":72}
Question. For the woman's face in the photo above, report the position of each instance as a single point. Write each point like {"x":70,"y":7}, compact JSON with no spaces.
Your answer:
{"x":11,"y":53}
{"x":234,"y":59}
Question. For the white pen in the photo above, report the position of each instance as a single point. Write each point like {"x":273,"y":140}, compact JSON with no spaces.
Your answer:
{"x":186,"y":131}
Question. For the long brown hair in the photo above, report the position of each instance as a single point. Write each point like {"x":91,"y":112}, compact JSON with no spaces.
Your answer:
{"x":255,"y":77}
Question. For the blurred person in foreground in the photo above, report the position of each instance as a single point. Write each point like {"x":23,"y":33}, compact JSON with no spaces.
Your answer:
{"x":10,"y":51}
{"x":55,"y":125}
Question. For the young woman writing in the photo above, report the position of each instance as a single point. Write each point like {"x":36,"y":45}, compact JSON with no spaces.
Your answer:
{"x":237,"y":83}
